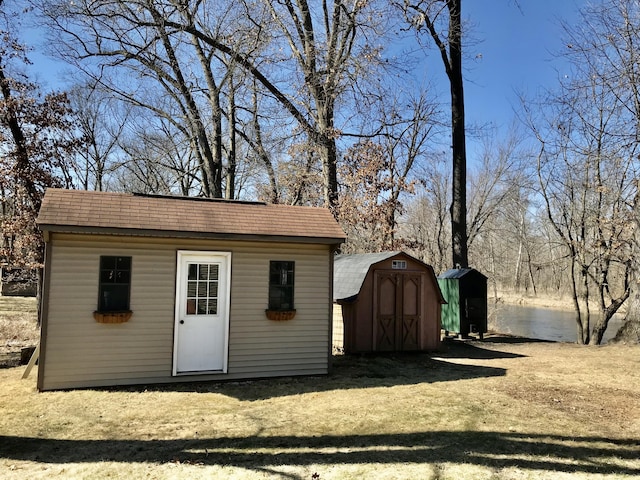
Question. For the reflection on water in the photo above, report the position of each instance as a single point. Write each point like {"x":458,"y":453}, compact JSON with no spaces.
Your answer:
{"x":541,"y":323}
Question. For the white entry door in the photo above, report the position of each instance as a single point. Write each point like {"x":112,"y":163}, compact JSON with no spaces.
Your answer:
{"x":201,"y":337}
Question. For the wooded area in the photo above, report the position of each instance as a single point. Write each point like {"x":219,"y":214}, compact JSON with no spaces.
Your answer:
{"x":320,"y":103}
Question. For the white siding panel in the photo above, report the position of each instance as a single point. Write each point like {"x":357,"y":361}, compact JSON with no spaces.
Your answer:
{"x":338,"y":328}
{"x":81,"y":352}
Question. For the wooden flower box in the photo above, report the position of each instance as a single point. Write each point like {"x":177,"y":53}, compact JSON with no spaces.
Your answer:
{"x":112,"y":317}
{"x":280,"y":315}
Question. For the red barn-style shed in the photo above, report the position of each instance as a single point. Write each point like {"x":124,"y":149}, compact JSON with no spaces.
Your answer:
{"x":389,"y":301}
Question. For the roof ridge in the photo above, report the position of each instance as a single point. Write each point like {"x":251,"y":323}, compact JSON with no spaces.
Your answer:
{"x":197,"y":199}
{"x":184,"y":197}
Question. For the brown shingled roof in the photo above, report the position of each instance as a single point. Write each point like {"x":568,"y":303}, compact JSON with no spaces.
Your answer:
{"x":84,"y":211}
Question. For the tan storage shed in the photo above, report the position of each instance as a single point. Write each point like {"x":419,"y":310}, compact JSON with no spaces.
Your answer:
{"x":390,"y":302}
{"x":146,"y":289}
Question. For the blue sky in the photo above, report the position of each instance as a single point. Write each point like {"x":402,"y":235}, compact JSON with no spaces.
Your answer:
{"x":514,"y":50}
{"x":517,"y":51}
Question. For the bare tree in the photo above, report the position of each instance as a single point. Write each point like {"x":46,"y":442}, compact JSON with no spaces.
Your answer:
{"x":436,"y":17}
{"x":500,"y":176}
{"x":606,"y":42}
{"x":328,"y":52}
{"x":36,"y":138}
{"x":134,"y":49}
{"x":424,"y":227}
{"x":499,"y":191}
{"x":584,"y":174}
{"x":588,"y":133}
{"x":324,"y":50}
{"x":154,"y":160}
{"x":101,"y":120}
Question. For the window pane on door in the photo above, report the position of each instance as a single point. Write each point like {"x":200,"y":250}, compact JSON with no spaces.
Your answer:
{"x":193,"y":271}
{"x":202,"y":289}
{"x":203,"y":272}
{"x":213,"y":306}
{"x":202,"y":306}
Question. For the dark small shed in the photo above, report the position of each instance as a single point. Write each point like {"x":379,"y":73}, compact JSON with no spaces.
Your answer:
{"x":389,"y":301}
{"x":465,"y":291}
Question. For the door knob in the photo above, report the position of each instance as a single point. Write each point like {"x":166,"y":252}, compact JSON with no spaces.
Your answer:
{"x":181,"y":322}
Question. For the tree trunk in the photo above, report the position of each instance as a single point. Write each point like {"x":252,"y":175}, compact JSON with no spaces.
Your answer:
{"x":603,"y":322}
{"x":258,"y":146}
{"x":630,"y":330}
{"x":459,"y":187}
{"x":330,"y":174}
{"x":216,"y":161}
{"x":230,"y":192}
{"x":576,"y":303}
{"x":533,"y":280}
{"x":21,"y":154}
{"x":586,"y":319}
{"x":516,"y":276}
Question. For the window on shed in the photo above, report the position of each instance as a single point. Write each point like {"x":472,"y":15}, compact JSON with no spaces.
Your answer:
{"x":281,"y":285}
{"x":115,"y":284}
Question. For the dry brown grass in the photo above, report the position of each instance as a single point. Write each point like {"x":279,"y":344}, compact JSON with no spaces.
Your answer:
{"x":500,"y":409}
{"x":18,"y":327}
{"x":543,"y":301}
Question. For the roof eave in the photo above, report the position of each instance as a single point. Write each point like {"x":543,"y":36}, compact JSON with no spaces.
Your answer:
{"x":50,"y":228}
{"x":346,"y":300}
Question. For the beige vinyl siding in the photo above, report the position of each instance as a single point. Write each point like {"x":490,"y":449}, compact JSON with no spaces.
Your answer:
{"x":81,"y":352}
{"x":338,"y":328}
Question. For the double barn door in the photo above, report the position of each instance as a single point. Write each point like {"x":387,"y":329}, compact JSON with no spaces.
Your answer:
{"x":397,"y":311}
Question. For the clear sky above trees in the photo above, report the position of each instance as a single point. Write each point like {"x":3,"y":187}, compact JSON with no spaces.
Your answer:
{"x":514,"y":47}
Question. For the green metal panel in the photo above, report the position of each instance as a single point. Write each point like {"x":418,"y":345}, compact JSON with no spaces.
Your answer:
{"x":451,"y":310}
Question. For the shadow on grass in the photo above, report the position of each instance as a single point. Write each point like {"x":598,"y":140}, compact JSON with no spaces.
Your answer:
{"x":509,"y":339}
{"x":348,"y":372}
{"x":452,"y":348}
{"x":594,"y":455}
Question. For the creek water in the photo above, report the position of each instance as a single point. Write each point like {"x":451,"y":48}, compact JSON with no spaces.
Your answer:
{"x":542,"y":323}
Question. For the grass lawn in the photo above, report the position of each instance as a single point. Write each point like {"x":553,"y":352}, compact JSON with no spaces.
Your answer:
{"x":499,"y":409}
{"x":18,"y":327}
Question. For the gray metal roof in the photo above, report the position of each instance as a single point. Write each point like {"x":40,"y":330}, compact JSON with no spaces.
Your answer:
{"x":349,"y":271}
{"x":457,"y":273}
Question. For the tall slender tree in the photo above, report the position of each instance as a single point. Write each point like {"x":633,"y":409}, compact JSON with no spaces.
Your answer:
{"x":435,"y":17}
